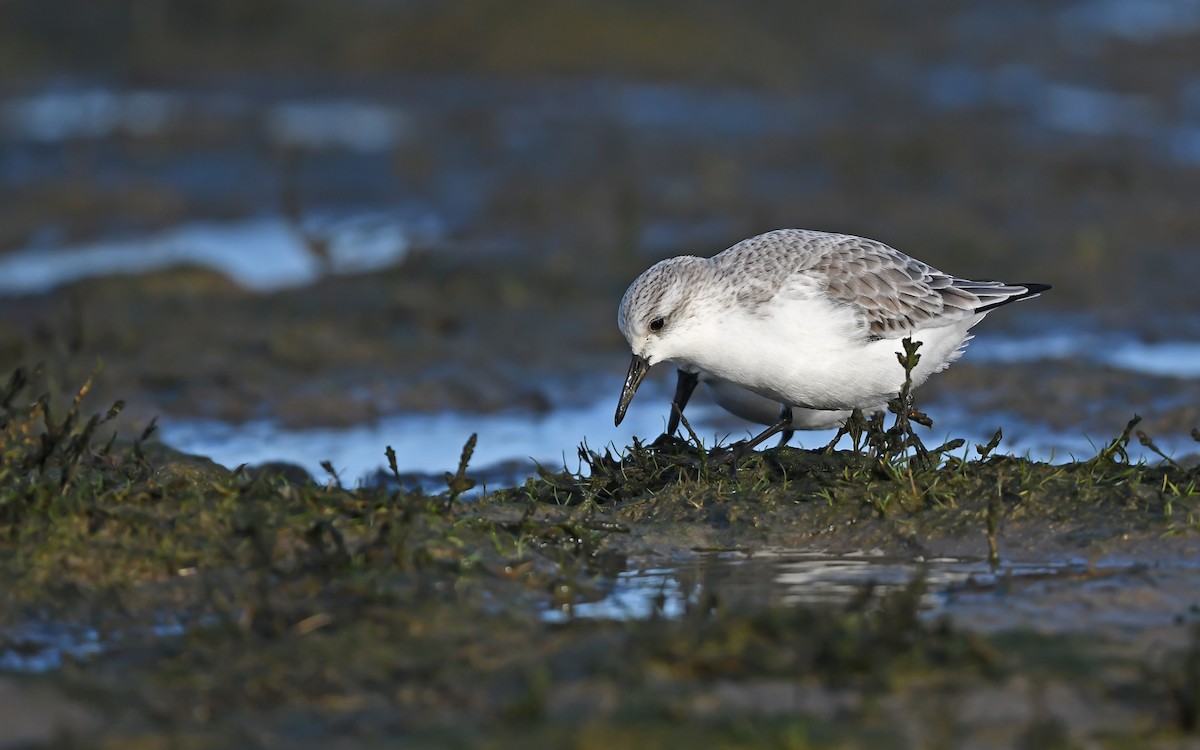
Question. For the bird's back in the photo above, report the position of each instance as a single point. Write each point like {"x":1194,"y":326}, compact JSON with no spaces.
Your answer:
{"x":892,"y":293}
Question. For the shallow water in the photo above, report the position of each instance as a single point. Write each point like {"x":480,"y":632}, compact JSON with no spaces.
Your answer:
{"x":422,"y":247}
{"x":790,"y":577}
{"x":374,"y":173}
{"x":1053,"y":595}
{"x":43,"y":647}
{"x":69,"y":111}
{"x":262,"y":255}
{"x":424,"y":443}
{"x":1140,"y":20}
{"x":430,"y":443}
{"x":46,"y":646}
{"x":511,"y":445}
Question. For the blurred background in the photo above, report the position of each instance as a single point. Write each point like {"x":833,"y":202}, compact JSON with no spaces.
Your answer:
{"x":300,"y":230}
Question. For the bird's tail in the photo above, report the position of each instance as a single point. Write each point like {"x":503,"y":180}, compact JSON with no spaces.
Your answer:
{"x":993,"y":294}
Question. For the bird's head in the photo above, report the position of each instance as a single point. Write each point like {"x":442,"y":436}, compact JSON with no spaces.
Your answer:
{"x":657,"y":318}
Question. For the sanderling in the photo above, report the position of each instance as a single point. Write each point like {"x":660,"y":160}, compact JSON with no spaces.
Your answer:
{"x":805,"y":319}
{"x":752,"y":407}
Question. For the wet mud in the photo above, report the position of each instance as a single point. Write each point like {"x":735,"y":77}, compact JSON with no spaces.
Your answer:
{"x":528,"y":202}
{"x":162,"y":599}
{"x":528,"y":160}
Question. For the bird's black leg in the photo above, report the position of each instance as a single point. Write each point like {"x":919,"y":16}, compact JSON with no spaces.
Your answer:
{"x":783,"y":425}
{"x":785,"y":412}
{"x":686,"y":383}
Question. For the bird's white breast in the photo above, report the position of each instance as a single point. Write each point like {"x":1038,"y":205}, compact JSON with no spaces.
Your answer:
{"x":809,"y":352}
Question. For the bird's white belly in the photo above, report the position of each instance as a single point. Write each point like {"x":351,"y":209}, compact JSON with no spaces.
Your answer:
{"x":809,"y":354}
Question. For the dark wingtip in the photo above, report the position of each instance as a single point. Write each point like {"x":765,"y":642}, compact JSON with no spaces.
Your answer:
{"x":1032,"y":289}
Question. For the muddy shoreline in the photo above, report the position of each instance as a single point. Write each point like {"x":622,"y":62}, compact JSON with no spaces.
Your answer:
{"x":230,"y":608}
{"x":446,"y":202}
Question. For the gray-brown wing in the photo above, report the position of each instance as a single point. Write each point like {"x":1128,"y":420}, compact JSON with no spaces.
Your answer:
{"x":896,"y":294}
{"x":893,"y":293}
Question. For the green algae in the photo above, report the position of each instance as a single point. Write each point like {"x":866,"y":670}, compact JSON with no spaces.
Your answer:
{"x":305,"y":612}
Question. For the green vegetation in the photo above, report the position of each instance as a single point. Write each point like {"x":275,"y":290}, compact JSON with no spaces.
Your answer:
{"x":260,"y":608}
{"x":234,"y":607}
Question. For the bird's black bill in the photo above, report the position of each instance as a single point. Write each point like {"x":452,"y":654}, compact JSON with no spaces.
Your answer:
{"x":684,"y":386}
{"x":637,"y":370}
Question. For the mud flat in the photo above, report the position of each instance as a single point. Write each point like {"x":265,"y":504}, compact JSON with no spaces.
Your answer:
{"x":445,"y":202}
{"x":155,"y":598}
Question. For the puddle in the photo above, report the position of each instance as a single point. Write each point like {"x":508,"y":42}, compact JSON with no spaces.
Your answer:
{"x":45,"y":646}
{"x":1060,"y":596}
{"x":261,"y":254}
{"x":767,"y":578}
{"x":1049,"y":596}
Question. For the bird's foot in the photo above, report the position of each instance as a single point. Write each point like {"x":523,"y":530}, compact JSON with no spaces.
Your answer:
{"x":667,"y":443}
{"x":855,"y":426}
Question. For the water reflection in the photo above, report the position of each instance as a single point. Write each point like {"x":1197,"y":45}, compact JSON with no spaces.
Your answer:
{"x":1014,"y":594}
{"x":1052,"y":595}
{"x":790,"y":578}
{"x":43,"y":647}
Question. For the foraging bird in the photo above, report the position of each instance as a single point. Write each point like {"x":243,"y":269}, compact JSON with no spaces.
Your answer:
{"x":806,"y":319}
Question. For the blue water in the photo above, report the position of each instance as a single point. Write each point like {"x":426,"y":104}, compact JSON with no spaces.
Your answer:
{"x":429,"y":444}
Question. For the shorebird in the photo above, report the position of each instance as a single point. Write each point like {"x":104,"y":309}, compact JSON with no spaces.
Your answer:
{"x":805,"y":319}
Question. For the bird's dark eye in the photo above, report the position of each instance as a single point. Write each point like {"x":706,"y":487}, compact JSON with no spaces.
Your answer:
{"x":657,"y":324}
